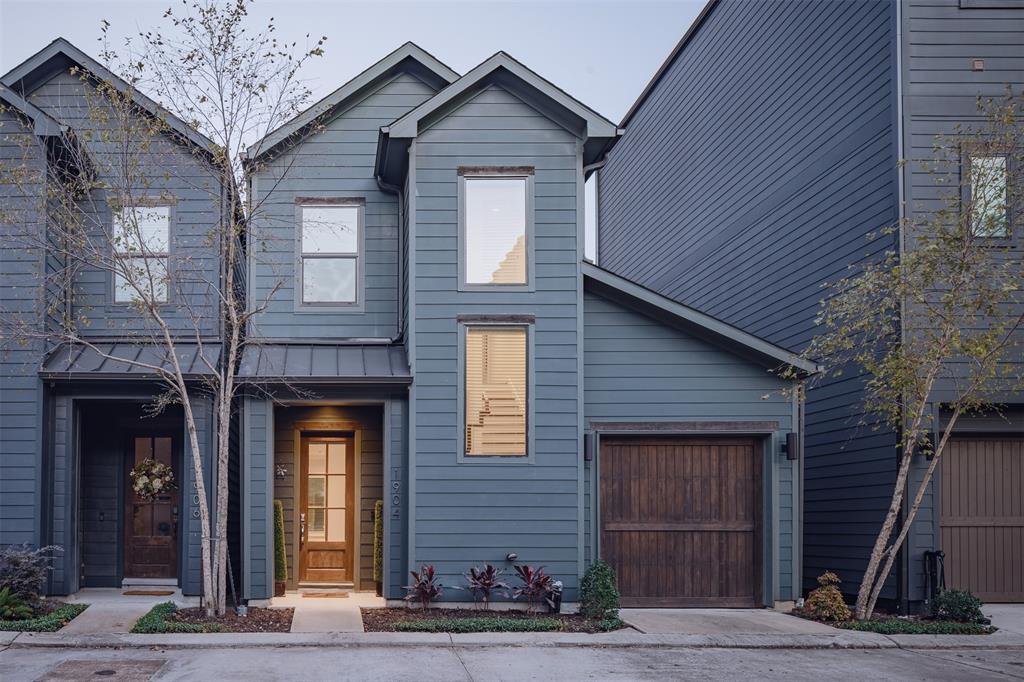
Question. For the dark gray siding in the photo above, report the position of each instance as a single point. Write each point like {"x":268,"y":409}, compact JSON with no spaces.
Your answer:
{"x":257,"y":527}
{"x":941,"y":40}
{"x":334,"y":162}
{"x":640,"y":369}
{"x":749,"y":176}
{"x":174,"y":170}
{"x":396,"y":498}
{"x":474,"y":512}
{"x":21,"y":284}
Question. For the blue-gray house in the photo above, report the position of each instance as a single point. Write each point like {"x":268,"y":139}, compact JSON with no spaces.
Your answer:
{"x":433,"y":339}
{"x":752,"y":169}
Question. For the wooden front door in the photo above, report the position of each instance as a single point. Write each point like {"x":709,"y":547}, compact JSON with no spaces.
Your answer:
{"x":326,"y":505}
{"x":982,"y":516}
{"x":151,"y":527}
{"x":681,"y":520}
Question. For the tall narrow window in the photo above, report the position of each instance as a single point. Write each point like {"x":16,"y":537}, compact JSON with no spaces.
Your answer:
{"x":988,"y":196}
{"x":495,"y":249}
{"x":330,"y":254}
{"x":141,"y":238}
{"x":496,"y":391}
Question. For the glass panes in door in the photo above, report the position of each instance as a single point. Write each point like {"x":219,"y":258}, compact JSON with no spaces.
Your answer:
{"x":326,"y":492}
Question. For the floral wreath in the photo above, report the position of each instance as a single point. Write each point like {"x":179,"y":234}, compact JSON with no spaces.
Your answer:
{"x":150,"y":478}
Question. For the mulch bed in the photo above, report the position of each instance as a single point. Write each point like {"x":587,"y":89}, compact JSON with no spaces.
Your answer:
{"x":385,"y":620}
{"x":258,"y":620}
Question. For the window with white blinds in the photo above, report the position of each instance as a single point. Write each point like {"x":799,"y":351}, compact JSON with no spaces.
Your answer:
{"x":496,"y":391}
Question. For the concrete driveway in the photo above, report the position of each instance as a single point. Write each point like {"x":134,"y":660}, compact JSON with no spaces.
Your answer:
{"x":720,"y":622}
{"x":1006,"y":617}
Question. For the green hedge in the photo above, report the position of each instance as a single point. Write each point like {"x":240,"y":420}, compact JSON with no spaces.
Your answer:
{"x":897,"y":626}
{"x":50,"y":622}
{"x":280,"y":557}
{"x":480,"y":625}
{"x":378,"y":541}
{"x":156,"y":622}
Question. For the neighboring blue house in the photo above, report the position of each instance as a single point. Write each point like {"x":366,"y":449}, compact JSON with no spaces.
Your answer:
{"x":752,"y":169}
{"x":434,"y":339}
{"x":72,"y":419}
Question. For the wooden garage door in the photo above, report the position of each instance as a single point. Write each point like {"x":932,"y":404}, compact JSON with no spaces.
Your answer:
{"x":681,"y":520}
{"x":982,"y":517}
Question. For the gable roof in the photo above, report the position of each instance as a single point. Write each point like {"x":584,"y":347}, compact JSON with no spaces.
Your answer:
{"x":43,"y":124}
{"x":598,"y":132}
{"x":408,"y":57}
{"x":60,"y":55}
{"x":721,"y":333}
{"x":651,"y":84}
{"x":65,"y":153}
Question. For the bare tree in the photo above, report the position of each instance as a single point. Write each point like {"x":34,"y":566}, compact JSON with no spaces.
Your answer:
{"x":232,"y":85}
{"x":945,"y":313}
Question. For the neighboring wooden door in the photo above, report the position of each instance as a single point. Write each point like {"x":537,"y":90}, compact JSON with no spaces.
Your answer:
{"x":982,"y":516}
{"x":151,"y":527}
{"x":681,"y":520}
{"x":327,"y":500}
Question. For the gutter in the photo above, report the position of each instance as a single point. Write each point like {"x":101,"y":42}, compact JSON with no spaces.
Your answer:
{"x":397,"y":192}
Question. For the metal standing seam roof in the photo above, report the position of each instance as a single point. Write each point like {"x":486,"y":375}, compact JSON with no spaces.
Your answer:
{"x":323,"y":363}
{"x":114,"y":359}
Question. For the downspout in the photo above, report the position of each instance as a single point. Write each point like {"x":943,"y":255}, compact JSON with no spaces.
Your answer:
{"x":397,"y":192}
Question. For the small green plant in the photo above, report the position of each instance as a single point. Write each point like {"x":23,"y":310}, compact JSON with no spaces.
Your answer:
{"x":599,"y":596}
{"x":378,"y":541}
{"x":280,"y":557}
{"x":424,"y":588}
{"x":899,"y":626}
{"x":12,"y":607}
{"x":157,"y":621}
{"x":48,"y":622}
{"x":480,"y":625}
{"x":826,"y":602}
{"x":960,"y":606}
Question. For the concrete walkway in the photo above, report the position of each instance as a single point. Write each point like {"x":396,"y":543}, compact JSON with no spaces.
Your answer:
{"x":327,"y":614}
{"x":720,"y":622}
{"x":111,"y":611}
{"x":1008,"y":618}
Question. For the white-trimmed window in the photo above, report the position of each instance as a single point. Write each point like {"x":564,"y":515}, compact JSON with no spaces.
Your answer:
{"x":988,"y":195}
{"x":496,"y":396}
{"x":141,"y":236}
{"x":330,"y":242}
{"x":495,"y":225}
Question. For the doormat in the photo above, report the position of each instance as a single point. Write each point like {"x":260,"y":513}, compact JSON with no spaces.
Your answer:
{"x":148,"y":593}
{"x":325,"y":595}
{"x":121,"y":670}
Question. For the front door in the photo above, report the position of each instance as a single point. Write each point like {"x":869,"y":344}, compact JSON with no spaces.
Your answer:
{"x":151,"y":527}
{"x":326,"y":543}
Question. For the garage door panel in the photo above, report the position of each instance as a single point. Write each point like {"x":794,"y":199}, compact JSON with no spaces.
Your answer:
{"x":981,"y":517}
{"x":680,"y":520}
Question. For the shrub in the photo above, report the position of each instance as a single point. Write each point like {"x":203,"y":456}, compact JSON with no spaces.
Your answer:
{"x":599,"y":597}
{"x":536,"y":585}
{"x":480,"y":625}
{"x":48,"y":622}
{"x":157,"y":621}
{"x":957,"y":605}
{"x":424,"y":587}
{"x":826,"y":602}
{"x":484,"y":582}
{"x":23,"y":570}
{"x":280,"y":557}
{"x":12,"y":607}
{"x":899,"y":626}
{"x":378,"y":541}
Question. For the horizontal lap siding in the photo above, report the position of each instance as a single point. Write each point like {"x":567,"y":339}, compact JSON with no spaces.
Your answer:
{"x":334,"y":162}
{"x":475,"y":512}
{"x":692,"y":380}
{"x":170,"y":168}
{"x":942,"y":40}
{"x":257,"y":441}
{"x":752,"y":174}
{"x":21,"y":282}
{"x":396,"y":499}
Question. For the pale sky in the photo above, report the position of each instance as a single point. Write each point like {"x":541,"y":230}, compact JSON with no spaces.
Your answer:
{"x":602,"y":52}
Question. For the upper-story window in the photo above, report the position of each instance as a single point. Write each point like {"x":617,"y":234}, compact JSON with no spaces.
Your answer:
{"x":330,"y":245}
{"x":495,"y":217}
{"x":141,"y":238}
{"x":495,"y":390}
{"x":988,"y":196}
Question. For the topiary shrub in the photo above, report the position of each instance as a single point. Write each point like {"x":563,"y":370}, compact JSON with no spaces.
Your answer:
{"x":827,"y":603}
{"x":958,"y":605}
{"x":378,"y":542}
{"x":280,"y":557}
{"x":599,"y":596}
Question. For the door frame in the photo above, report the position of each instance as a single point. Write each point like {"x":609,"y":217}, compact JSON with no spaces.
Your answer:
{"x":130,"y":434}
{"x":331,"y":427}
{"x":764,"y":434}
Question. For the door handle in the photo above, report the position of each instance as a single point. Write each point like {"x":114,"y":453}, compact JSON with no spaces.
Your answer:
{"x":302,"y":529}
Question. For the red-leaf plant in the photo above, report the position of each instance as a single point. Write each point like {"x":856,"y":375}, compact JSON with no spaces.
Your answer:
{"x":483,"y":582}
{"x":424,"y":587}
{"x":536,"y":585}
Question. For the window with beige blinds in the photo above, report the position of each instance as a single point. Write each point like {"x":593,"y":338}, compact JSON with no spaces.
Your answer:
{"x":496,"y":399}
